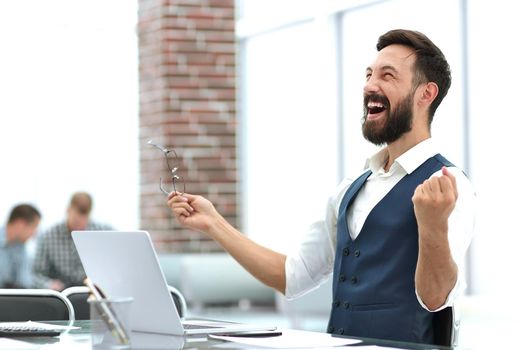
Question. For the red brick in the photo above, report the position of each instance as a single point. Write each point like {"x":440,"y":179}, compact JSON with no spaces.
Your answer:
{"x":187,"y":101}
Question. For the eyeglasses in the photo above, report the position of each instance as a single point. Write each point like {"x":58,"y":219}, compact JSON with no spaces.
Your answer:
{"x":172,"y":159}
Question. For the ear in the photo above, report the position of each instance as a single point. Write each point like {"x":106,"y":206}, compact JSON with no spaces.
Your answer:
{"x":428,"y":94}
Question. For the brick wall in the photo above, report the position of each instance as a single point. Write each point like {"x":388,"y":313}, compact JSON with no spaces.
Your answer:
{"x":187,"y":101}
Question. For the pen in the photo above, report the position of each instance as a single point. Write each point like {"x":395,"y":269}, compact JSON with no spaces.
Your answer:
{"x":107,"y":314}
{"x":253,"y":334}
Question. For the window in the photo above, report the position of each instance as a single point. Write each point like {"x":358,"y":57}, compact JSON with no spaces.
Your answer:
{"x":69,"y":107}
{"x":289,"y":127}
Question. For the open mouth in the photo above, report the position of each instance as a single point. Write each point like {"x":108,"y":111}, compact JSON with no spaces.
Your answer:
{"x":375,"y":108}
{"x":375,"y":105}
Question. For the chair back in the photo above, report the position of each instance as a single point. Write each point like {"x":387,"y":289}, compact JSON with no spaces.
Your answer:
{"x":179,"y":300}
{"x":446,"y":327}
{"x":78,"y":296}
{"x":20,"y":305}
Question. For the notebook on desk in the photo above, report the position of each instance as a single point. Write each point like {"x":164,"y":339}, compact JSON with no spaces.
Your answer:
{"x":123,"y":264}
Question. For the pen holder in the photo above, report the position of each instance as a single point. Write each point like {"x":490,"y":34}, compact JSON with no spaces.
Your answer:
{"x":110,"y":323}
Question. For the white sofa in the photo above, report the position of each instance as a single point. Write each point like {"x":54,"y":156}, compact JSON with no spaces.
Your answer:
{"x":207,"y":279}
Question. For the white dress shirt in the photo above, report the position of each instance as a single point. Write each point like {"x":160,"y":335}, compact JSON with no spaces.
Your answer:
{"x":312,"y":263}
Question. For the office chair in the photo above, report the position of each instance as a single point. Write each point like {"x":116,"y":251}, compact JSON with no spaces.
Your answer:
{"x":78,"y":296}
{"x":179,"y":300}
{"x":446,"y":327}
{"x":19,"y":305}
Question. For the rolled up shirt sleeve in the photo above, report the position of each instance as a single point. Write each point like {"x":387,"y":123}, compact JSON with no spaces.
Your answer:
{"x":461,"y":225}
{"x":312,"y":262}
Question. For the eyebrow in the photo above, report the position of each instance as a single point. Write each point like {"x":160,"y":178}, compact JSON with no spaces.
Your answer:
{"x":383,"y":68}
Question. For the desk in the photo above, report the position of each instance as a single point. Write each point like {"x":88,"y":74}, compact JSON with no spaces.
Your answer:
{"x":80,"y":339}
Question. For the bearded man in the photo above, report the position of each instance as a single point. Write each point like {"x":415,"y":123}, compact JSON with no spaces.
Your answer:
{"x":395,"y":236}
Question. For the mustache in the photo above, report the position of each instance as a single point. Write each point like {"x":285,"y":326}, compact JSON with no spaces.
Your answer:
{"x":376,"y":98}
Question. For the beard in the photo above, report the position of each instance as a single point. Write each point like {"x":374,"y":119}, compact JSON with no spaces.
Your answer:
{"x":397,"y":121}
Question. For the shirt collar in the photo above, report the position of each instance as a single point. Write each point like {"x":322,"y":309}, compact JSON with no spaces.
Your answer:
{"x":409,"y":161}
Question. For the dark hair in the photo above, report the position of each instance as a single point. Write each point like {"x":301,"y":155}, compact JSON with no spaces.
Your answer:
{"x":82,"y":202}
{"x":25,"y":212}
{"x":430,"y":66}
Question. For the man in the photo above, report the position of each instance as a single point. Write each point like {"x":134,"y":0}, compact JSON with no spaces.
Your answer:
{"x":57,"y":264}
{"x":394,"y":238}
{"x":15,"y":267}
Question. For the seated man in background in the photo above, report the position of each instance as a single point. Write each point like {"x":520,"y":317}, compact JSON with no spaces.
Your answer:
{"x":57,"y":264}
{"x":15,"y":267}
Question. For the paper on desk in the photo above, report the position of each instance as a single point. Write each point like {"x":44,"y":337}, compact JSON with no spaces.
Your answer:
{"x":291,"y":339}
{"x":14,"y":344}
{"x":38,"y":325}
{"x":375,"y":347}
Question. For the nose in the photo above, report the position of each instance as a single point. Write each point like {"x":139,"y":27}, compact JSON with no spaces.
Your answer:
{"x":371,"y":85}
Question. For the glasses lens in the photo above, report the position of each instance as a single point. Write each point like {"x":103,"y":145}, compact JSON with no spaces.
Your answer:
{"x":174,"y":181}
{"x":179,"y":184}
{"x":173,"y":165}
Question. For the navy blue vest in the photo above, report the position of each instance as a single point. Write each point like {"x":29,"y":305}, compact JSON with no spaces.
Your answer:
{"x":373,"y":286}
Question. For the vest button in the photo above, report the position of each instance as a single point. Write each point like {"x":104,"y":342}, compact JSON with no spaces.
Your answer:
{"x":353,"y":280}
{"x":331,"y":329}
{"x":337,"y":303}
{"x":340,"y":331}
{"x":342,"y":278}
{"x":357,"y":253}
{"x":346,"y":252}
{"x":346,"y":305}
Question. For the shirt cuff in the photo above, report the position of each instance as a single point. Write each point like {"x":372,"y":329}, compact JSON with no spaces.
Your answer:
{"x":298,"y":279}
{"x":452,"y":296}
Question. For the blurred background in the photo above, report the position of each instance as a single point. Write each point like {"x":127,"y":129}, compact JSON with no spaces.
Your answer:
{"x":262,"y":101}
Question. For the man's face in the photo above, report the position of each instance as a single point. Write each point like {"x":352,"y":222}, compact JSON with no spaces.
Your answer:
{"x":25,"y":230}
{"x":389,"y":95}
{"x":76,"y":221}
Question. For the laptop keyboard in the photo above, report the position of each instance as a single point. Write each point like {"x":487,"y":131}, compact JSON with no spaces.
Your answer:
{"x":197,"y":326}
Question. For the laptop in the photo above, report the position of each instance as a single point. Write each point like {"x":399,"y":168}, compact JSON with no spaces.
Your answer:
{"x":123,"y":264}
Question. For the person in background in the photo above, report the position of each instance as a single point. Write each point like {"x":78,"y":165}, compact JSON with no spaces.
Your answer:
{"x":15,"y":265}
{"x":395,"y":235}
{"x":57,"y":264}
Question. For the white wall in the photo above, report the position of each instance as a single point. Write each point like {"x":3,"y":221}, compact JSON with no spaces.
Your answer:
{"x":292,"y":123}
{"x":69,"y":107}
{"x":498,"y":124}
{"x":359,"y":51}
